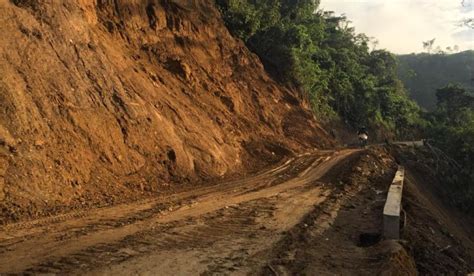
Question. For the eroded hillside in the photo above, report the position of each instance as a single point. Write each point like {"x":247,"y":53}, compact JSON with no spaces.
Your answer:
{"x":105,"y":101}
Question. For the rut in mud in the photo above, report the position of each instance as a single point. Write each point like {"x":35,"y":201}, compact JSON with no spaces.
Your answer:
{"x":151,"y":104}
{"x":316,"y":214}
{"x":227,"y":227}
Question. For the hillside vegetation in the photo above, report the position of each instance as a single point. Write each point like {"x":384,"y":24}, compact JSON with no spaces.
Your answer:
{"x":451,"y":128}
{"x":344,"y":79}
{"x":423,"y":73}
{"x":321,"y":54}
{"x":443,"y":84}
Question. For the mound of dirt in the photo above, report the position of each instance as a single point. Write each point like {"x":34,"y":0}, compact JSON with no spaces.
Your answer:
{"x":342,"y":236}
{"x":106,"y":101}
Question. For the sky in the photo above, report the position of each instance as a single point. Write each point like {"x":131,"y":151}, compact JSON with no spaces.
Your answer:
{"x":402,"y":25}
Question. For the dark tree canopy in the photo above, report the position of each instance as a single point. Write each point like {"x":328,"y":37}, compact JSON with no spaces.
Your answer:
{"x":451,"y":128}
{"x":422,"y":74}
{"x":322,"y":54}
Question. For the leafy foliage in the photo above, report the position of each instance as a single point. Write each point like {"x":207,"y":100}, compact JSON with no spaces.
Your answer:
{"x":423,"y":73}
{"x":321,"y":54}
{"x":452,"y":129}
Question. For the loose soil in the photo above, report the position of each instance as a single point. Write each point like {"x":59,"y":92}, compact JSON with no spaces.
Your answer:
{"x":238,"y":219}
{"x":439,"y":237}
{"x":140,"y":137}
{"x":318,"y":213}
{"x":103,"y":102}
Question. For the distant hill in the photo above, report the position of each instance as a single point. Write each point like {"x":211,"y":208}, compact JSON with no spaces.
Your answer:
{"x":423,"y":73}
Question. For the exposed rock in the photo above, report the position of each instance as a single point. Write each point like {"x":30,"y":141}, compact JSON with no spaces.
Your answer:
{"x":110,"y":87}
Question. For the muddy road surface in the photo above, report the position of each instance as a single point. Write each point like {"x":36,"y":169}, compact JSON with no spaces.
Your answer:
{"x":235,"y":227}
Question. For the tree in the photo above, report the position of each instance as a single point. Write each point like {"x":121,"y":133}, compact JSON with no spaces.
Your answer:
{"x":451,"y":129}
{"x":434,"y":71}
{"x":428,"y":45}
{"x":375,"y":42}
{"x":439,"y":51}
{"x":453,"y":98}
{"x":339,"y":70}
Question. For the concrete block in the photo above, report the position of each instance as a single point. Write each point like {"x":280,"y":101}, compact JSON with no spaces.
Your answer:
{"x":392,"y":208}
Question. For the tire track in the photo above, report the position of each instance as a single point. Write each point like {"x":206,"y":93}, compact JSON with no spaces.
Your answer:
{"x":234,"y":214}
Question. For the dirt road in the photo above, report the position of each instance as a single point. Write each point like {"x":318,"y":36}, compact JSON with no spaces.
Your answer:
{"x":232,"y":227}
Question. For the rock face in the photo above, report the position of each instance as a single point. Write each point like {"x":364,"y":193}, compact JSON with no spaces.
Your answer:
{"x":103,"y":101}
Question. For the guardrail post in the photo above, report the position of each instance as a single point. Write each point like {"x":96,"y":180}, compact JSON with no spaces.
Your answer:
{"x":392,"y":208}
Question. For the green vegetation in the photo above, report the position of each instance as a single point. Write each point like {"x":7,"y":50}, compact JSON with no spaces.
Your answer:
{"x":322,"y":55}
{"x":344,"y":79}
{"x":451,"y":115}
{"x":452,"y":129}
{"x":423,"y":73}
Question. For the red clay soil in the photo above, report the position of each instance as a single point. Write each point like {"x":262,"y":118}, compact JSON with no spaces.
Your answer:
{"x":108,"y":101}
{"x":316,"y":214}
{"x":343,"y":235}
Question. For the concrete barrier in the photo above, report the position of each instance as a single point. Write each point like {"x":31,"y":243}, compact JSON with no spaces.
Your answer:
{"x":392,"y":208}
{"x":419,"y":143}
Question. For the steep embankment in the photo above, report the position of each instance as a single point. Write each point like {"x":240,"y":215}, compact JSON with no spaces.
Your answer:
{"x":104,"y":101}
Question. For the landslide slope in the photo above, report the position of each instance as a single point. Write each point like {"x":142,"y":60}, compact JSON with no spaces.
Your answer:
{"x":104,"y":101}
